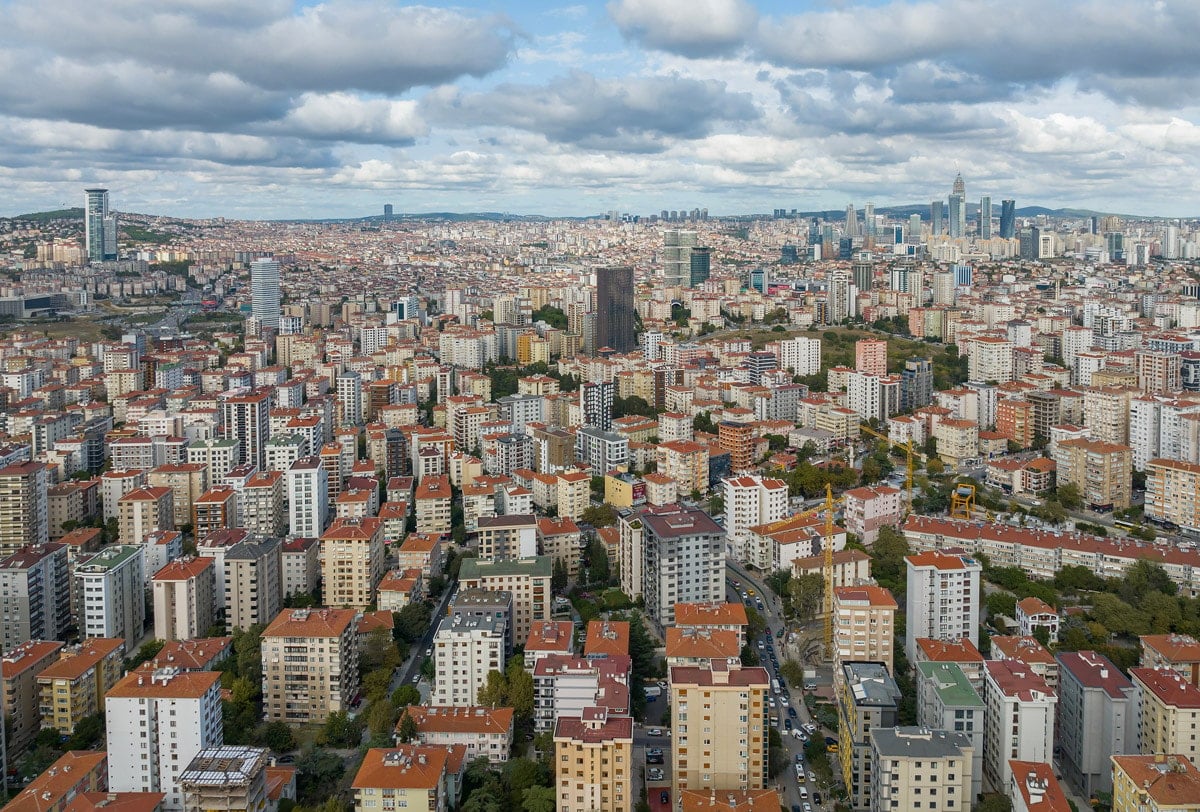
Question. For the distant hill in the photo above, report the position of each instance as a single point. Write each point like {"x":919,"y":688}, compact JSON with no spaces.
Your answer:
{"x":47,"y":216}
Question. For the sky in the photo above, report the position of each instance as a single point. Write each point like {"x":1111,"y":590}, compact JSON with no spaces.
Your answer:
{"x":272,"y":109}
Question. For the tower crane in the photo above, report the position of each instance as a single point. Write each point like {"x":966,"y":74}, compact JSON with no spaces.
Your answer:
{"x":910,"y":453}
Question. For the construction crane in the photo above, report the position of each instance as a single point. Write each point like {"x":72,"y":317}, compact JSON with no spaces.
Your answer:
{"x":910,"y":454}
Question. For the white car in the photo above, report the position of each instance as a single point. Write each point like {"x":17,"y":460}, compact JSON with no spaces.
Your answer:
{"x":654,"y":731}
{"x":783,"y":699}
{"x":810,"y":727}
{"x":798,"y":734}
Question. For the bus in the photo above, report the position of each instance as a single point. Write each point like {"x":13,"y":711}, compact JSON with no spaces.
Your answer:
{"x":775,"y":686}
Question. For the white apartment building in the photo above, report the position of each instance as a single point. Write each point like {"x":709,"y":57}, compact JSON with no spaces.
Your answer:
{"x":308,"y":497}
{"x":111,"y":590}
{"x":912,"y":765}
{"x":751,"y":501}
{"x":870,"y":395}
{"x":184,"y":599}
{"x":465,"y":649}
{"x":942,"y":598}
{"x":220,"y":455}
{"x":800,"y":355}
{"x":1018,"y":722}
{"x":991,"y":359}
{"x":156,"y":721}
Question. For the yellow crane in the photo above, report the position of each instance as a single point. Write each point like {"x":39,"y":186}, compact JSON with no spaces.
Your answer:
{"x":910,"y":454}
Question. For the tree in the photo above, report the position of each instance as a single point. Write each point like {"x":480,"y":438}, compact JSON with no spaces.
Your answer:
{"x":935,"y":467}
{"x":792,"y":671}
{"x":558,"y":580}
{"x":1002,"y":603}
{"x":703,"y":422}
{"x":537,"y":799}
{"x":278,"y":737}
{"x":317,"y":771}
{"x":340,"y":730}
{"x":379,"y":652}
{"x":519,"y":690}
{"x":495,"y":693}
{"x":994,"y":803}
{"x":407,"y":731}
{"x":1069,"y":496}
{"x":381,"y":721}
{"x":602,"y":515}
{"x":806,"y":592}
{"x":888,"y":553}
{"x":1142,"y":577}
{"x":412,"y":621}
{"x":406,"y":695}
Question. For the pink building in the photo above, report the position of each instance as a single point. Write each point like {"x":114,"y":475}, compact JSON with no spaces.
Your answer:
{"x":870,"y":508}
{"x":870,"y":356}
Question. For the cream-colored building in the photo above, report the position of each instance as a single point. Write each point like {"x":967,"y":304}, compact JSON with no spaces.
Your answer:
{"x":1179,"y":652}
{"x":686,"y":462}
{"x":74,"y":687}
{"x":21,"y":693}
{"x":1167,"y":712}
{"x":863,"y":630}
{"x":912,"y":765}
{"x":1102,"y":471}
{"x":718,"y":727}
{"x":1155,"y":783}
{"x":310,"y":664}
{"x":184,"y":598}
{"x":593,"y":762}
{"x":406,"y":777}
{"x":1173,"y":492}
{"x":484,"y":732}
{"x":144,"y":510}
{"x":991,"y":359}
{"x":431,"y":502}
{"x":573,"y":492}
{"x":352,"y":561}
{"x":187,"y":481}
{"x":528,"y":579}
{"x":957,"y":440}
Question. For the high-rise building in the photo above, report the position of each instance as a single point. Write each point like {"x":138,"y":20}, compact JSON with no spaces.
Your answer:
{"x":614,"y":307}
{"x":916,"y":384}
{"x":596,"y":404}
{"x":701,"y":265}
{"x":682,"y":559}
{"x":1008,"y":219}
{"x":677,"y":257}
{"x":35,"y":595}
{"x":465,"y":649}
{"x":24,"y":506}
{"x":851,"y":220}
{"x":985,"y":218}
{"x":595,"y":763}
{"x":100,"y":226}
{"x":246,"y":417}
{"x":911,"y":764}
{"x":310,"y":664}
{"x":958,"y":208}
{"x":751,"y":501}
{"x":759,"y":279}
{"x":1018,"y":721}
{"x":942,"y":598}
{"x":936,"y":215}
{"x":112,"y":589}
{"x":868,"y":226}
{"x":308,"y":497}
{"x":264,"y":292}
{"x":870,"y":356}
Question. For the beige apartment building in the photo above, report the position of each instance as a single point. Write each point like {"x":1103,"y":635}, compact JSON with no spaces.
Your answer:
{"x":910,"y":765}
{"x":310,"y":664}
{"x":185,"y":598}
{"x":21,"y":693}
{"x":187,"y":481}
{"x":593,"y":762}
{"x":863,"y":625}
{"x":528,"y":579}
{"x":1162,"y":782}
{"x":24,"y":514}
{"x":1173,"y":492}
{"x":431,"y":503}
{"x":1102,"y":471}
{"x":353,"y":561}
{"x":74,"y":687}
{"x":144,"y":510}
{"x":1179,"y":652}
{"x":1167,"y":709}
{"x":406,"y":777}
{"x":719,"y":727}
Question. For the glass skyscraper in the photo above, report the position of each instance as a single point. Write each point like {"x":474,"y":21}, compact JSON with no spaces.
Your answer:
{"x":614,"y":308}
{"x":958,"y":208}
{"x":985,"y":218}
{"x":264,"y":292}
{"x":701,"y":265}
{"x":100,"y":227}
{"x":1008,"y":219}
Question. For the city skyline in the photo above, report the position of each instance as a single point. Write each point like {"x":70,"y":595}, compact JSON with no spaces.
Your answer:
{"x":278,"y":111}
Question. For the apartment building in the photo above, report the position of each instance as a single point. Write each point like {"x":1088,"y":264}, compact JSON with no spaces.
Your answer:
{"x":957,"y":441}
{"x":868,"y":509}
{"x":1102,"y":471}
{"x":144,"y":510}
{"x":262,"y":503}
{"x":310,"y":664}
{"x":553,"y":637}
{"x":216,"y":510}
{"x":405,"y":777}
{"x":594,"y":762}
{"x":719,"y":728}
{"x":1178,"y":652}
{"x":1173,"y":493}
{"x":307,"y":485}
{"x":74,"y":687}
{"x":1034,"y":614}
{"x":353,"y":562}
{"x":465,"y":649}
{"x":751,"y":501}
{"x":911,"y":765}
{"x":565,"y":685}
{"x":490,"y":603}
{"x":483,"y":732}
{"x":715,"y":616}
{"x":946,"y":700}
{"x":1162,"y":782}
{"x":686,"y":462}
{"x":513,"y":536}
{"x":187,"y":481}
{"x":74,"y":774}
{"x":528,"y":579}
{"x":682,"y":560}
{"x":1033,"y":788}
{"x":867,"y":698}
{"x":35,"y":595}
{"x":562,"y":541}
{"x":398,"y":589}
{"x":219,"y":455}
{"x":111,"y":589}
{"x":1096,"y":719}
{"x":24,"y":511}
{"x":21,"y":693}
{"x":863,"y":625}
{"x":942,"y":598}
{"x":431,"y":503}
{"x":1018,"y":722}
{"x":990,"y":359}
{"x":1030,"y":652}
{"x":228,"y":778}
{"x":1167,"y":712}
{"x":185,"y":599}
{"x":420,"y":551}
{"x":159,"y":549}
{"x":301,"y":566}
{"x":253,"y":583}
{"x":176,"y":714}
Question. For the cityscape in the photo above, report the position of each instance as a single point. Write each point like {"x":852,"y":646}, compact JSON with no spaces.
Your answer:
{"x":623,"y":407}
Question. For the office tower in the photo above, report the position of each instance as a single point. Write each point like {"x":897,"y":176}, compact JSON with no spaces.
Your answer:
{"x":914,"y":229}
{"x":388,"y":210}
{"x":1008,"y":219}
{"x":719,"y":715}
{"x":310,"y":664}
{"x":851,"y":221}
{"x":985,"y":218}
{"x":100,"y":227}
{"x":759,"y":279}
{"x":701,"y":265}
{"x":264,"y":292}
{"x":156,"y":721}
{"x":677,"y":257}
{"x":958,"y":208}
{"x":864,"y":275}
{"x":24,"y":506}
{"x":614,"y":308}
{"x":902,"y":279}
{"x":963,"y":275}
{"x":246,"y":417}
{"x":868,"y":229}
{"x":936,"y":209}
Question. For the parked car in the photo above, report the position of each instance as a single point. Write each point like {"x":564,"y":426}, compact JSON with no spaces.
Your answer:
{"x":787,"y":724}
{"x":654,"y":774}
{"x":810,"y":686}
{"x":654,"y":731}
{"x":791,"y":712}
{"x":664,"y":797}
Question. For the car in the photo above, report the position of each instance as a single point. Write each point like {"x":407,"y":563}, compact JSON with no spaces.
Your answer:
{"x":784,"y":700}
{"x":654,"y":731}
{"x":787,"y":724}
{"x":803,"y":793}
{"x":810,"y":727}
{"x":654,"y":751}
{"x":779,"y":634}
{"x":654,"y":759}
{"x":417,"y":679}
{"x":286,"y":759}
{"x":812,"y":776}
{"x":654,"y":774}
{"x":664,"y":797}
{"x":760,"y":644}
{"x":791,"y":712}
{"x":800,"y":735}
{"x":830,"y":740}
{"x":799,"y":759}
{"x":771,"y":700}
{"x":745,"y":597}
{"x":807,"y":807}
{"x":810,"y":686}
{"x":816,"y":797}
{"x":428,"y":652}
{"x":736,"y":583}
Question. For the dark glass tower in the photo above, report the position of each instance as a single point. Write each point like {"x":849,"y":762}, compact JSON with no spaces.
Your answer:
{"x":701,"y":265}
{"x":614,"y":308}
{"x":1008,"y":219}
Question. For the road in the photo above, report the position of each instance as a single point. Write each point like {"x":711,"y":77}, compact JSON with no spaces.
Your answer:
{"x":416,"y":656}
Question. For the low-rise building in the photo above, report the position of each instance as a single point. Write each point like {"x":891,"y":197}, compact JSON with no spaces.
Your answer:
{"x":484,"y":732}
{"x":420,"y":551}
{"x":1163,"y":782}
{"x":73,"y":774}
{"x":405,"y":777}
{"x":717,"y":616}
{"x":1033,"y":788}
{"x":399,"y":589}
{"x":1034,"y":613}
{"x":870,"y":508}
{"x":74,"y":687}
{"x":228,"y":778}
{"x":701,"y":647}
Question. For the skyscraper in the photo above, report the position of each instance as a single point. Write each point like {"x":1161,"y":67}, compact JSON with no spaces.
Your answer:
{"x":851,"y":220}
{"x":614,"y":305}
{"x":264,"y":292}
{"x":677,"y":257}
{"x":869,"y":220}
{"x":701,"y":265}
{"x":958,"y":208}
{"x":936,"y":209}
{"x":100,"y":227}
{"x":1008,"y":219}
{"x":985,"y":217}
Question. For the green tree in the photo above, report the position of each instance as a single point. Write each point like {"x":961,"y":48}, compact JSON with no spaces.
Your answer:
{"x":806,"y":593}
{"x":558,"y":579}
{"x":495,"y":693}
{"x":381,"y":721}
{"x":1118,"y":616}
{"x":1075,"y":578}
{"x":1142,"y":577}
{"x":1069,"y":496}
{"x":407,"y":731}
{"x":597,"y":562}
{"x":340,"y":730}
{"x":519,"y":690}
{"x":278,"y":737}
{"x":602,"y":515}
{"x":703,"y":422}
{"x":887,"y":563}
{"x":412,"y":621}
{"x":537,"y":799}
{"x":792,"y":671}
{"x":406,"y":695}
{"x":379,"y":652}
{"x":1001,"y":603}
{"x":994,"y":803}
{"x":316,"y":771}
{"x":375,"y":685}
{"x":1163,"y":611}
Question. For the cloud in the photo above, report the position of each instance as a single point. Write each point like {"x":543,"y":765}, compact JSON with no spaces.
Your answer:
{"x":688,"y":27}
{"x":635,"y":114}
{"x":345,"y":117}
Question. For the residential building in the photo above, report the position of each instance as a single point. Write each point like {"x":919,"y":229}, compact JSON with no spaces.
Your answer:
{"x":184,"y":598}
{"x":562,"y":540}
{"x":310,"y":664}
{"x":1171,"y":493}
{"x":553,"y":637}
{"x":398,"y":589}
{"x":719,"y":728}
{"x":21,"y":694}
{"x":594,"y":762}
{"x":910,"y":765}
{"x":528,"y":579}
{"x":465,"y":649}
{"x":870,"y":356}
{"x":606,"y":638}
{"x":701,"y":647}
{"x":686,"y":462}
{"x":1163,"y":782}
{"x":111,"y":589}
{"x":143,"y":511}
{"x":1034,"y":788}
{"x":187,"y":480}
{"x":751,"y":800}
{"x":307,"y":497}
{"x":1102,"y":472}
{"x":262,"y":504}
{"x":738,"y":440}
{"x":74,"y":774}
{"x":215,"y":510}
{"x":1030,"y":652}
{"x":869,"y":508}
{"x":24,"y":508}
{"x":484,"y":732}
{"x":600,"y":451}
{"x":682,"y":560}
{"x":74,"y":687}
{"x":1033,"y":614}
{"x":867,"y":698}
{"x":301,"y":565}
{"x":863,"y":625}
{"x":431,"y":502}
{"x":405,"y":777}
{"x":1018,"y":722}
{"x":1096,"y":719}
{"x":176,"y":714}
{"x":507,"y":536}
{"x":253,"y":583}
{"x":715,"y":616}
{"x":947,"y":700}
{"x":352,"y":561}
{"x":228,"y":778}
{"x":245,"y":417}
{"x":564,"y":685}
{"x":487,"y":603}
{"x":35,"y":595}
{"x":751,"y":501}
{"x":942,"y":598}
{"x":1179,"y":652}
{"x":420,"y":551}
{"x":1167,"y":710}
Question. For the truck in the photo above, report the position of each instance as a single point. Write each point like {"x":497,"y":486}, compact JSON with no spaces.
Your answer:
{"x":653,"y":692}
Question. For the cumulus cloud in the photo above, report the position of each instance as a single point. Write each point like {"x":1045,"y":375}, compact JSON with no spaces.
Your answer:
{"x":345,"y":117}
{"x":688,"y":27}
